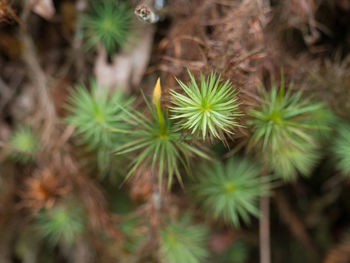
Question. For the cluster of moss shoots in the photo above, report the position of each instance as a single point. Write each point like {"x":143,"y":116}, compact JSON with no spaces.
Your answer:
{"x":286,"y":137}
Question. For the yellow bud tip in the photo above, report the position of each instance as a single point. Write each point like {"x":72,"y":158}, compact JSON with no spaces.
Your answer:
{"x":157,"y":92}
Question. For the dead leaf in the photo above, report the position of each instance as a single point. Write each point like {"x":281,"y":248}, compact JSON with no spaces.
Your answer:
{"x":128,"y":66}
{"x":43,"y":8}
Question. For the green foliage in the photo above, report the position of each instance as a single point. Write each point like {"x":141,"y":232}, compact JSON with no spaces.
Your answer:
{"x":323,"y":121}
{"x":183,"y":242}
{"x":24,"y":144}
{"x":210,"y":108}
{"x":96,"y":115}
{"x":61,"y":223}
{"x":108,"y":23}
{"x":231,"y":191}
{"x":158,"y":143}
{"x":341,"y":149}
{"x":287,"y":129}
{"x":133,"y":234}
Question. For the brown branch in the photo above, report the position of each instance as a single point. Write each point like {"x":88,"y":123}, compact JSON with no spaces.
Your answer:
{"x":264,"y":225}
{"x":37,"y":76}
{"x":264,"y":230}
{"x":6,"y":94}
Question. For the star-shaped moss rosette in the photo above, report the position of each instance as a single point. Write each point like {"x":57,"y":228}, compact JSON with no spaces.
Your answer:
{"x":231,"y":190}
{"x":24,"y":144}
{"x":96,"y":115}
{"x":286,"y":127}
{"x":183,"y":242}
{"x":64,"y":222}
{"x":209,"y":108}
{"x":108,"y":22}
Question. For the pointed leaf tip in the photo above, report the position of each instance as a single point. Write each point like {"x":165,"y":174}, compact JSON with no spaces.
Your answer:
{"x":157,"y":92}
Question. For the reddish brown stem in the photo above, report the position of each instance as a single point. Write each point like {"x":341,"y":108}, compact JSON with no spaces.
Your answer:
{"x":264,"y":229}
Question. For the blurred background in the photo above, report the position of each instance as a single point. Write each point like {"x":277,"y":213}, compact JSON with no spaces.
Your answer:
{"x":77,"y":81}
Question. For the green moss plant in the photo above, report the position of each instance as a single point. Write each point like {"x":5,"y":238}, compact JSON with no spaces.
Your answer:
{"x":183,"y":242}
{"x":108,"y":23}
{"x":231,"y":190}
{"x":286,"y":129}
{"x":24,"y":144}
{"x":210,"y":108}
{"x":157,"y":142}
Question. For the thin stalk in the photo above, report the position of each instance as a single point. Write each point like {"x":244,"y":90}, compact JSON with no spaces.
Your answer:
{"x":37,"y":76}
{"x":160,"y":117}
{"x":264,"y":229}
